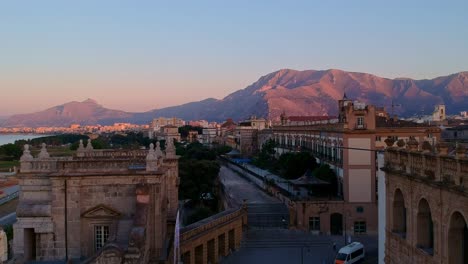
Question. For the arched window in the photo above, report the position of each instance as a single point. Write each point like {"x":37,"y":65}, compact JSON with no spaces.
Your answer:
{"x":457,"y":240}
{"x":399,"y":213}
{"x":425,"y":227}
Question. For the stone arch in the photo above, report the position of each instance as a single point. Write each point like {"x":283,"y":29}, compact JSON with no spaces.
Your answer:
{"x":457,"y":239}
{"x":399,"y":213}
{"x":425,"y":227}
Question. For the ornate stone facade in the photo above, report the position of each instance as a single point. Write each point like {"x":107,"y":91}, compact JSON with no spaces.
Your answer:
{"x":348,"y":144}
{"x":98,"y":206}
{"x":427,"y":204}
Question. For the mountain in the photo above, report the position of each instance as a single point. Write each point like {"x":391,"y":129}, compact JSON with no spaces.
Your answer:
{"x":88,"y":112}
{"x":313,"y":92}
{"x":307,"y":92}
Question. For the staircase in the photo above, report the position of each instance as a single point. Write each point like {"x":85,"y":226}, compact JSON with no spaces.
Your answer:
{"x":267,"y":216}
{"x":257,"y":238}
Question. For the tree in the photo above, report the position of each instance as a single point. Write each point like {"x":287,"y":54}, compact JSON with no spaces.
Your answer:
{"x":266,"y":158}
{"x":11,"y":150}
{"x":325,"y":173}
{"x":184,"y":130}
{"x":221,"y":150}
{"x":294,"y":165}
{"x":200,"y":213}
{"x":198,"y":151}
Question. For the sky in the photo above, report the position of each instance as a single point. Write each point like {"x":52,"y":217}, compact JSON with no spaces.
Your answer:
{"x":142,"y":55}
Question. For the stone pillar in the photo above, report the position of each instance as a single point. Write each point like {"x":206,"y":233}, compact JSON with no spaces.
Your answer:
{"x":216,"y":257}
{"x":192,"y":255}
{"x":58,"y":216}
{"x":73,"y":218}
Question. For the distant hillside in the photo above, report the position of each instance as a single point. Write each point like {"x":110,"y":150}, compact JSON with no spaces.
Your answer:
{"x":316,"y":92}
{"x":88,"y":112}
{"x":295,"y":92}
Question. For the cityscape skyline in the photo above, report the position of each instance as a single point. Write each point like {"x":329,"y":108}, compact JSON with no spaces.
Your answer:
{"x":168,"y":54}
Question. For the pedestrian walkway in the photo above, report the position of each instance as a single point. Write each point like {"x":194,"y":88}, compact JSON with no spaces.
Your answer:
{"x":264,"y":211}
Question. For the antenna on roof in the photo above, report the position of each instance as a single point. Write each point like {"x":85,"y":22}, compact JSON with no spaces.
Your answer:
{"x":393,"y":107}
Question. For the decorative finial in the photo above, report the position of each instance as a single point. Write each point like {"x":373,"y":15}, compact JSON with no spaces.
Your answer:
{"x":151,"y":154}
{"x":158,"y":150}
{"x":81,"y":146}
{"x":26,"y":154}
{"x":170,"y":149}
{"x":151,"y":159}
{"x":89,"y":146}
{"x":43,"y":154}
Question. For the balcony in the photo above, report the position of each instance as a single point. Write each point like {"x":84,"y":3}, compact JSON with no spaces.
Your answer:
{"x":360,"y":126}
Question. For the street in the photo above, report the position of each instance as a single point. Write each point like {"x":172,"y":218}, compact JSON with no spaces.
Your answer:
{"x":240,"y":188}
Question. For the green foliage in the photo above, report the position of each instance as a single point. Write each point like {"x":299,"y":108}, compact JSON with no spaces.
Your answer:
{"x":98,"y":143}
{"x":266,"y":158}
{"x":200,"y":213}
{"x":197,"y":177}
{"x":325,"y":173}
{"x":56,"y":140}
{"x":294,"y":165}
{"x":199,"y":152}
{"x":12,"y":151}
{"x":198,"y":170}
{"x":129,"y":140}
{"x":184,"y":130}
{"x":6,"y":165}
{"x":221,"y":150}
{"x":8,"y":231}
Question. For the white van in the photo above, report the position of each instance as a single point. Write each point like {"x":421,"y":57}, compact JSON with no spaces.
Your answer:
{"x":351,"y":253}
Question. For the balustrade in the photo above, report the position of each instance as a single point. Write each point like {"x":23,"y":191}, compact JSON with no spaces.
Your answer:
{"x":440,"y":168}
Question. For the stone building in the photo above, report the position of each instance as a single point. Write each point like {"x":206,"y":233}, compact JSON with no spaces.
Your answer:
{"x":245,"y":135}
{"x":349,"y":145}
{"x":97,"y":206}
{"x":426,"y":204}
{"x":157,"y":123}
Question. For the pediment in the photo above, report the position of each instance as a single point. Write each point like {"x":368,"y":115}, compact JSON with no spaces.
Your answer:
{"x":101,"y":211}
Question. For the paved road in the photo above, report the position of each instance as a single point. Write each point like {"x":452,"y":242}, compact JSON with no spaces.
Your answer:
{"x":267,"y":240}
{"x":294,"y":247}
{"x":240,"y":188}
{"x":264,"y":211}
{"x":283,"y":246}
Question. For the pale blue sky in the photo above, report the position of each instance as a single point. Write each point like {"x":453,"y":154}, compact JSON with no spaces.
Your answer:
{"x":140,"y":55}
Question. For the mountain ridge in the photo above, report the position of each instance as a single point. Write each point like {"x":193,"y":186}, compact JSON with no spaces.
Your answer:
{"x":308,"y":92}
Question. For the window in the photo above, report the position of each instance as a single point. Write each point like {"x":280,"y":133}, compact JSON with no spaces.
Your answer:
{"x":359,"y":227}
{"x":360,"y":121}
{"x":399,"y":213}
{"x":314,"y":223}
{"x":101,"y":235}
{"x":360,"y":209}
{"x":357,"y":253}
{"x":378,"y":138}
{"x":425,"y":227}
